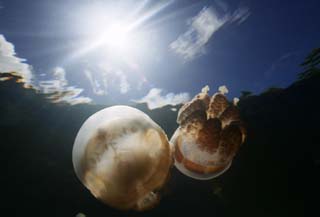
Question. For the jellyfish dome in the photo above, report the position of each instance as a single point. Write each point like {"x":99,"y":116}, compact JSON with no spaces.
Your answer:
{"x":123,"y":157}
{"x":209,"y":134}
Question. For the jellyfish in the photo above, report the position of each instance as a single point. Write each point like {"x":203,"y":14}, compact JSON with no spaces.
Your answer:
{"x":123,"y":157}
{"x":209,"y":135}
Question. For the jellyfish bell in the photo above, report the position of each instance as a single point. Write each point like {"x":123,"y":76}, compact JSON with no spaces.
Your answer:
{"x":123,"y":157}
{"x":209,"y":134}
{"x":195,"y":165}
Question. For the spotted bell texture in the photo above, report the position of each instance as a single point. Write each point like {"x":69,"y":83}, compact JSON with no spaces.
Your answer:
{"x":209,"y":135}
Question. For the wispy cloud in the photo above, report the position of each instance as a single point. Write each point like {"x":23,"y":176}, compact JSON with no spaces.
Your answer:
{"x":202,"y":27}
{"x":58,"y":82}
{"x":155,"y":98}
{"x":240,"y":15}
{"x":95,"y":85}
{"x":278,"y":63}
{"x":106,"y":77}
{"x":9,"y":62}
{"x":58,"y":90}
{"x":191,"y":43}
{"x":124,"y":86}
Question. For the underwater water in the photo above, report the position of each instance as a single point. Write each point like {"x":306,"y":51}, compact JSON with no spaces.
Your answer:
{"x":275,"y":172}
{"x":159,"y":108}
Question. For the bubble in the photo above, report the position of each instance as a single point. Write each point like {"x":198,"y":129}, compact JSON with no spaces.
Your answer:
{"x":122,"y":157}
{"x":209,"y":135}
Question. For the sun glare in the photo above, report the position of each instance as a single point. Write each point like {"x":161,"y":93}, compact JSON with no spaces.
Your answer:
{"x":116,"y":36}
{"x":114,"y":31}
{"x":107,"y":33}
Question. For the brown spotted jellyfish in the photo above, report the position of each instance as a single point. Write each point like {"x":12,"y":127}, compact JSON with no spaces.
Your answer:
{"x":124,"y":158}
{"x":209,"y":135}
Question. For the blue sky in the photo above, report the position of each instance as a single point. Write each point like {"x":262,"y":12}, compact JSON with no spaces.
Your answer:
{"x":159,"y":52}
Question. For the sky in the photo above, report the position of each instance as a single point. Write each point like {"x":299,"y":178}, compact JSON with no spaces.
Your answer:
{"x":158,"y":52}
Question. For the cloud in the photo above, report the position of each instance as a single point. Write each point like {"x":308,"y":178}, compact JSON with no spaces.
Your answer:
{"x":123,"y":82}
{"x":56,"y":84}
{"x":240,"y":15}
{"x":278,"y":63}
{"x":107,"y":77}
{"x":9,"y":62}
{"x":95,"y":85}
{"x":69,"y":95}
{"x":191,"y":44}
{"x":155,"y":99}
{"x":141,"y":83}
{"x":58,"y":90}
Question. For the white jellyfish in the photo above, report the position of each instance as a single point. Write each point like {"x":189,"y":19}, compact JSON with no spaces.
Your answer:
{"x":122,"y":157}
{"x":209,"y":135}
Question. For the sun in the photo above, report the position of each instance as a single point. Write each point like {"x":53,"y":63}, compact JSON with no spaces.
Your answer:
{"x":114,"y":31}
{"x":111,"y":36}
{"x":115,"y":36}
{"x":106,"y":30}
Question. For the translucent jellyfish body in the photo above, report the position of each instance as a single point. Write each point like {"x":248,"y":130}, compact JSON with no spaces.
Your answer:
{"x":122,"y":157}
{"x":208,"y":137}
